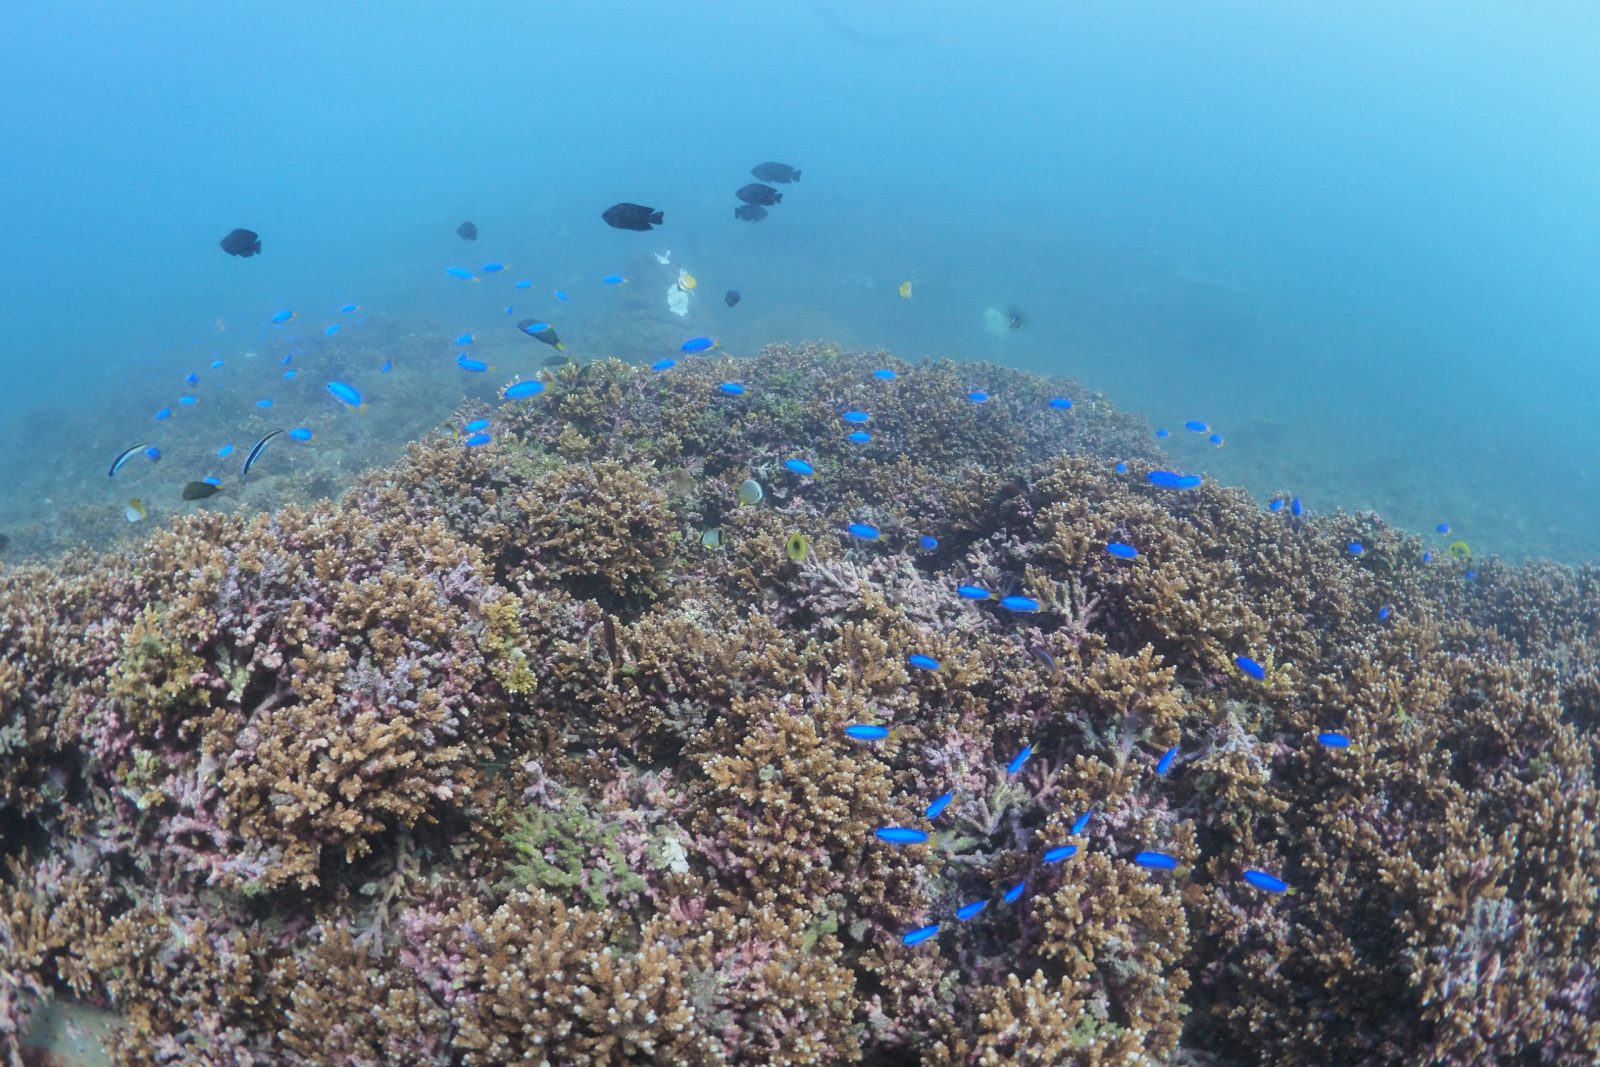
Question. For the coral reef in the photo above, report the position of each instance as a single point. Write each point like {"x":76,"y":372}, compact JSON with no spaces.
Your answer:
{"x":500,"y":758}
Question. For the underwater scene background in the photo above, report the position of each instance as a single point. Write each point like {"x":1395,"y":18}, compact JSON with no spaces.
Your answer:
{"x":1066,"y":541}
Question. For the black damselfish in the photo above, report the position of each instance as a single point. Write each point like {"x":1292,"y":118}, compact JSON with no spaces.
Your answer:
{"x":242,"y":243}
{"x":627,"y":216}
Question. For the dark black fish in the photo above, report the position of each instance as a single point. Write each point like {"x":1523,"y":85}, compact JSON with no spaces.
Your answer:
{"x":732,"y":298}
{"x":245,"y":243}
{"x":200,"y":490}
{"x":756,"y":193}
{"x":255,"y":452}
{"x":750,"y":212}
{"x":560,"y":359}
{"x":467,"y":231}
{"x":631,"y":216}
{"x":1014,"y":319}
{"x":541,"y":331}
{"x":781,"y":173}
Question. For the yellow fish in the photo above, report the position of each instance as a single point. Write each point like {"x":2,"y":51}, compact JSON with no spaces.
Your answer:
{"x":687,"y":281}
{"x":712,"y":538}
{"x":797,"y":546}
{"x":905,"y":290}
{"x":135,"y":511}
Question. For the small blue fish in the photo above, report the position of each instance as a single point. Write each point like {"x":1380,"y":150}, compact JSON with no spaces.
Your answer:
{"x":560,"y":294}
{"x":524,"y":284}
{"x":532,"y":387}
{"x":1333,"y":739}
{"x":1056,"y":855}
{"x":1120,"y":468}
{"x":300,"y":433}
{"x":800,"y":467}
{"x":971,"y":911}
{"x":283,"y":316}
{"x":478,"y":439}
{"x":460,"y":272}
{"x":866,"y":732}
{"x":1019,"y":760}
{"x":345,"y":394}
{"x":927,"y":663}
{"x":1250,"y":667}
{"x":973,"y":592}
{"x":1197,"y":426}
{"x":936,"y":809}
{"x":1173,"y":480}
{"x":1215,"y":439}
{"x":216,"y":363}
{"x":917,"y":937}
{"x":865,"y":531}
{"x":285,"y":360}
{"x":290,"y":375}
{"x":1267,"y":883}
{"x":477,"y":366}
{"x":1164,"y":764}
{"x":927,"y":544}
{"x":475,"y":425}
{"x":164,"y":413}
{"x":697,"y":344}
{"x":1163,"y":433}
{"x":491,"y":268}
{"x":858,"y":417}
{"x":1443,"y":527}
{"x":331,"y":330}
{"x":1276,"y":504}
{"x":211,"y":479}
{"x":665,"y":363}
{"x":1019,"y":603}
{"x":263,"y":403}
{"x":1383,"y":613}
{"x":186,"y":400}
{"x":465,"y":339}
{"x":1122,"y":551}
{"x":1356,"y":548}
{"x":509,"y":310}
{"x":1060,"y":403}
{"x":192,"y":378}
{"x":1082,"y":823}
{"x":1296,"y":508}
{"x":225,"y":451}
{"x":613,"y":279}
{"x":1470,"y":575}
{"x":1427,"y":557}
{"x":901,"y":835}
{"x":732,"y":388}
{"x":885,"y":374}
{"x":1156,"y":861}
{"x":153,"y":452}
{"x":978,"y":396}
{"x":348,"y":308}
{"x":388,"y":365}
{"x":1014,"y":893}
{"x":860,"y":437}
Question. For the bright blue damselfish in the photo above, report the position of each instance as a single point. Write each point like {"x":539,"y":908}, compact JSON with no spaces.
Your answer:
{"x":1122,"y":551}
{"x":970,"y":911}
{"x":927,"y":663}
{"x":860,"y":437}
{"x":857,"y":417}
{"x":1060,"y":403}
{"x":1082,"y":823}
{"x":531,"y":387}
{"x":978,"y":396}
{"x":1056,"y":855}
{"x":864,"y":531}
{"x":731,"y":388}
{"x":800,"y":467}
{"x":1333,"y":739}
{"x":1019,"y":760}
{"x":1250,"y":667}
{"x":300,"y":433}
{"x":865,"y":732}
{"x":665,"y":363}
{"x":901,"y":835}
{"x":1267,"y":883}
{"x":939,"y":804}
{"x":917,"y":937}
{"x":1156,"y":861}
{"x":1173,"y":480}
{"x":478,"y":439}
{"x":1014,"y":893}
{"x":476,"y":366}
{"x":696,"y":344}
{"x":927,"y":543}
{"x":475,"y":425}
{"x":1165,"y":763}
{"x":1019,"y":603}
{"x":973,"y":592}
{"x":885,"y":374}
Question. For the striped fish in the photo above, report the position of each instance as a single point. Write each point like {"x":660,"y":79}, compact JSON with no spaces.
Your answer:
{"x":123,"y":457}
{"x":255,"y":453}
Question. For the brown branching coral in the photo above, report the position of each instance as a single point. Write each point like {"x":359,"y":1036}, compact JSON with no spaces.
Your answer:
{"x":499,"y":760}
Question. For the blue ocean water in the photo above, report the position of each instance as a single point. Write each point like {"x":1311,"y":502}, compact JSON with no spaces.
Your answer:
{"x":1359,"y":242}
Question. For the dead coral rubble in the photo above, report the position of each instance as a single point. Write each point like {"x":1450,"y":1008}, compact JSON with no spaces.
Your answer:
{"x":496,"y":761}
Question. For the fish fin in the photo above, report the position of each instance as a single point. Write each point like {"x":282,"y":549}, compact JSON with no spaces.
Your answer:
{"x":796,"y":176}
{"x":655,"y":218}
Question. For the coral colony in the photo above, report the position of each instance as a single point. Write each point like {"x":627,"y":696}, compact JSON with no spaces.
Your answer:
{"x":951,"y":745}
